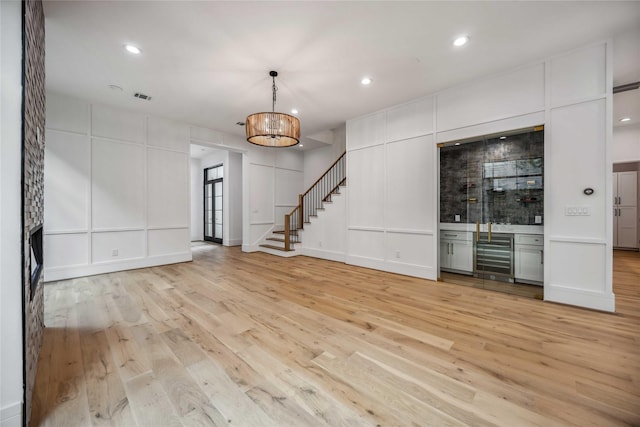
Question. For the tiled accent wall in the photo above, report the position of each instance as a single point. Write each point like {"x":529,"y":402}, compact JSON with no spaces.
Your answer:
{"x":33,"y":186}
{"x":468,"y":189}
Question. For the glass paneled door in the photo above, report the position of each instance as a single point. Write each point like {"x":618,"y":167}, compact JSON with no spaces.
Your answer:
{"x":213,"y":178}
{"x":491,"y":211}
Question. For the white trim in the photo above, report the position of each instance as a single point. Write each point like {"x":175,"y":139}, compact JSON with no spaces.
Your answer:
{"x":114,"y":229}
{"x":423,"y":272}
{"x":409,"y":231}
{"x":578,"y":101}
{"x":486,"y":128}
{"x":69,"y":272}
{"x":375,"y":229}
{"x":232,"y":242}
{"x":71,"y":132}
{"x":169,"y":227}
{"x":117,"y":141}
{"x":11,"y":415}
{"x":585,"y":240}
{"x":579,"y":297}
{"x":324,"y":254}
{"x":216,"y":145}
{"x":368,"y":146}
{"x":172,"y":150}
{"x":68,"y":231}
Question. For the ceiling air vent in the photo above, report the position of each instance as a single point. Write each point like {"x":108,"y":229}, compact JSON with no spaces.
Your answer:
{"x":142,"y":96}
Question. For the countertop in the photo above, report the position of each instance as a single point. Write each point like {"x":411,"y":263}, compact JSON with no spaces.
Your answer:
{"x":495,"y":228}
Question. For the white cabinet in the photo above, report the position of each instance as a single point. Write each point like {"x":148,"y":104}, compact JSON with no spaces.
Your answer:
{"x":529,"y":258}
{"x":625,"y":210}
{"x":456,"y":251}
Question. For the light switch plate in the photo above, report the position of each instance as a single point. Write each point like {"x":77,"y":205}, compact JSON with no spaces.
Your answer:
{"x":538,"y":219}
{"x":457,"y":218}
{"x":577,"y":210}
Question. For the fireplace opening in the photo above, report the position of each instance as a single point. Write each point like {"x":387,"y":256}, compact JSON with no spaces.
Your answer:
{"x":36,"y":258}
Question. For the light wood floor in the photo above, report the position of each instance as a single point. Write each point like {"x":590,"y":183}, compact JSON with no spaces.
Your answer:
{"x":256,"y":340}
{"x":520,"y":289}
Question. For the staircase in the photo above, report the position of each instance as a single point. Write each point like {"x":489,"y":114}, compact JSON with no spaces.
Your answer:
{"x":282,"y":242}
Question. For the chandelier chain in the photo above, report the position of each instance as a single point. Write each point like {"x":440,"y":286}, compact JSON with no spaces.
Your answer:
{"x":274,"y":88}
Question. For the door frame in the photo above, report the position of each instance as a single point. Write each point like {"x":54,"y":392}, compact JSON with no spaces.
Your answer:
{"x":206,"y":182}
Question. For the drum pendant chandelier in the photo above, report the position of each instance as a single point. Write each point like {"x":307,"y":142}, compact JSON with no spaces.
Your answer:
{"x":273,"y":129}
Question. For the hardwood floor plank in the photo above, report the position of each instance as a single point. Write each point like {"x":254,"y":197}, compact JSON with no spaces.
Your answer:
{"x":406,"y":409}
{"x":190,"y":403}
{"x":235,"y":406}
{"x":108,"y":403}
{"x":149,"y":402}
{"x":249,"y":339}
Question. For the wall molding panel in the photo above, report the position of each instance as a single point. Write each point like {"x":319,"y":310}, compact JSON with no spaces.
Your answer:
{"x":118,"y":192}
{"x":398,"y":189}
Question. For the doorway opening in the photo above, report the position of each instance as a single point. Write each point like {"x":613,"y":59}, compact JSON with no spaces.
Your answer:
{"x":492,"y":212}
{"x":213,"y":203}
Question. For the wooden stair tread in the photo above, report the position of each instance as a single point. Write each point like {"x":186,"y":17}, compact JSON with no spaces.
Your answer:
{"x":278,"y":248}
{"x":275,"y":239}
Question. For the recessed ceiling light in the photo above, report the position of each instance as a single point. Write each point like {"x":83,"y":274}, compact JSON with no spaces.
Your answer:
{"x":503,"y":137}
{"x":625,"y":119}
{"x":301,"y":146}
{"x":460,"y":41}
{"x":132,"y":49}
{"x":294,"y":111}
{"x":366,"y":81}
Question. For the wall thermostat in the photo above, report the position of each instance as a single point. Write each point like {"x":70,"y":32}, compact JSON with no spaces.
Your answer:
{"x":588,"y":191}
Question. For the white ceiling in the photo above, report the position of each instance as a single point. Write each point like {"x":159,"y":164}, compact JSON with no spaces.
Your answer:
{"x":207,"y":62}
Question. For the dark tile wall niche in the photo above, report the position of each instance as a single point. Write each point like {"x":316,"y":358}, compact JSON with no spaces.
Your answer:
{"x":33,"y":189}
{"x":493,"y":179}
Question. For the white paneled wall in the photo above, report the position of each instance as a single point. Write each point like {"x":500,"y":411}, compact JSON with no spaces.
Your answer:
{"x":323,"y":237}
{"x":390,"y":215}
{"x":578,"y":142}
{"x":167,"y":178}
{"x":197,"y":209}
{"x":117,"y":185}
{"x":626,"y":144}
{"x":68,"y":161}
{"x":116,"y":189}
{"x":392,"y":156}
{"x":508,"y":95}
{"x":366,"y":197}
{"x":276,"y":179}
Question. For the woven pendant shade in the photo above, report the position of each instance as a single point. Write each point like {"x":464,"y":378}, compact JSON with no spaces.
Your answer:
{"x":273,"y":129}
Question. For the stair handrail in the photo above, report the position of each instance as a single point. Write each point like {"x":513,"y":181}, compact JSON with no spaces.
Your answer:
{"x":294,"y":220}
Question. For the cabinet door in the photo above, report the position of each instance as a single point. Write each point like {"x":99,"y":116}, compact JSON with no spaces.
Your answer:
{"x":615,"y":226}
{"x":615,"y":189}
{"x":462,"y":256}
{"x":627,"y":188}
{"x":627,"y":227}
{"x":445,"y":256}
{"x":529,"y":263}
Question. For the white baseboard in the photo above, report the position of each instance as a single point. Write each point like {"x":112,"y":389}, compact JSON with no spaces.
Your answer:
{"x":413,"y":270}
{"x":70,"y":272}
{"x":233,"y":242}
{"x":578,"y":297}
{"x":11,"y":416}
{"x":324,"y":254}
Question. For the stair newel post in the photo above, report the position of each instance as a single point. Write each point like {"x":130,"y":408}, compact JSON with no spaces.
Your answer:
{"x":287,"y":235}
{"x":300,"y":211}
